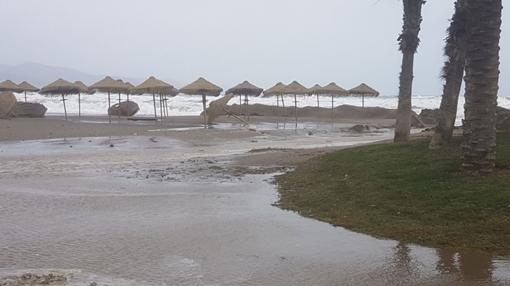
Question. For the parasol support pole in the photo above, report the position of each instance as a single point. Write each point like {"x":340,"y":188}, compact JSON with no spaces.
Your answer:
{"x":205,"y":110}
{"x":25,"y":96}
{"x":295,"y":108}
{"x":154,"y":101}
{"x":119,"y":106}
{"x":240,"y":104}
{"x":246,"y":114}
{"x":109,"y":106}
{"x":363,"y":101}
{"x":160,"y":106}
{"x":332,"y":106}
{"x":277,"y":112}
{"x":318,"y":105}
{"x":64,"y":101}
{"x":79,"y":104}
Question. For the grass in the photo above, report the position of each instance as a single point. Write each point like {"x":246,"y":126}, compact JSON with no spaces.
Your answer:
{"x":408,"y":193}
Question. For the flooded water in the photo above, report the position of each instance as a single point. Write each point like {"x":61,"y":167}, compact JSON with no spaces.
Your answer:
{"x":158,"y":211}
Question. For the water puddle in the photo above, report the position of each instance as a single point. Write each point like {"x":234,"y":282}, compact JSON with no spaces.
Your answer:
{"x":160,"y":211}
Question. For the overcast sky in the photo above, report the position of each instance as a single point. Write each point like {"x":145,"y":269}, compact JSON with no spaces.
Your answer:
{"x":228,"y":41}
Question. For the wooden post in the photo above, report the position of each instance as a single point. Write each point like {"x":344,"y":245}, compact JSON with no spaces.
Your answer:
{"x":109,"y":105}
{"x":79,"y":104}
{"x":119,"y":106}
{"x":154,"y":101}
{"x":332,"y":107}
{"x":64,"y":101}
{"x":205,"y":110}
{"x":295,"y":108}
{"x":277,"y":114}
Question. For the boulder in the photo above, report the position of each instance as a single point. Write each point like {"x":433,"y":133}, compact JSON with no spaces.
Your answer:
{"x":502,"y":119}
{"x":429,"y":116}
{"x":7,"y":104}
{"x":126,"y":108}
{"x":29,"y":109}
{"x":360,"y":128}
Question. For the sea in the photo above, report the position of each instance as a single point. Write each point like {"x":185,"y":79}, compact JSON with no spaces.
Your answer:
{"x":185,"y":105}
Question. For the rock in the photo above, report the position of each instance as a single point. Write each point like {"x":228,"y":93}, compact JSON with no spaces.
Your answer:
{"x":359,"y":128}
{"x":7,"y":104}
{"x":127,"y":108}
{"x":502,"y":119}
{"x":429,"y":116}
{"x":29,"y":109}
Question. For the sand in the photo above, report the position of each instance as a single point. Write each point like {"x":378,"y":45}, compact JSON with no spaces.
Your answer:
{"x":97,"y":126}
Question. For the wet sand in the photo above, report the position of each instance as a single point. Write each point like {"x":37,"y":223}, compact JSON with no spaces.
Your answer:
{"x":195,"y":207}
{"x":97,"y":126}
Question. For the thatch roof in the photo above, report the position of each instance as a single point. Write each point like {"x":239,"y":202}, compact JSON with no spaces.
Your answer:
{"x":108,"y":84}
{"x":277,"y":89}
{"x":201,"y":87}
{"x":365,"y":90}
{"x":333,"y":89}
{"x":153,"y":85}
{"x":314,"y":89}
{"x":295,"y":88}
{"x":245,"y":88}
{"x":83,"y":88}
{"x":130,"y":88}
{"x":8,"y":85}
{"x":60,"y":86}
{"x":25,"y":86}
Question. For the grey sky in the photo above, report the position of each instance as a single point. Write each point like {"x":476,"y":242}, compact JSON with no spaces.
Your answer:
{"x":264,"y":41}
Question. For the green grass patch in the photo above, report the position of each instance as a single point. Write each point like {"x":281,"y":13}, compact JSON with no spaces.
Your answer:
{"x":408,"y":193}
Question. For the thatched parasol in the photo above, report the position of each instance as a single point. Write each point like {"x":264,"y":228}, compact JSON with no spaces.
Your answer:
{"x":154,"y":86}
{"x":333,"y":90}
{"x":204,"y":88}
{"x":277,"y":90}
{"x":109,"y":85}
{"x":295,"y":88}
{"x":314,"y":90}
{"x":61,"y":87}
{"x":83,"y":89}
{"x":8,"y":85}
{"x":245,"y":89}
{"x":363,"y":90}
{"x":27,"y":87}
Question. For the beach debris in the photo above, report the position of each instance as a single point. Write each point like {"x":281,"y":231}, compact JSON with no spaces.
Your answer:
{"x":359,"y":128}
{"x":217,"y":108}
{"x":34,"y":279}
{"x":7,"y":104}
{"x":29,"y":109}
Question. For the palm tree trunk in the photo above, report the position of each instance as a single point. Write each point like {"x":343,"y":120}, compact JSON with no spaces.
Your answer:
{"x":409,"y":42}
{"x":453,"y":72}
{"x":482,"y":76}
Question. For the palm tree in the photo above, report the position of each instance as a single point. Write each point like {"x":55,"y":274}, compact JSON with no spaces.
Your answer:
{"x":453,"y":72}
{"x":482,"y":76}
{"x":408,"y":42}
